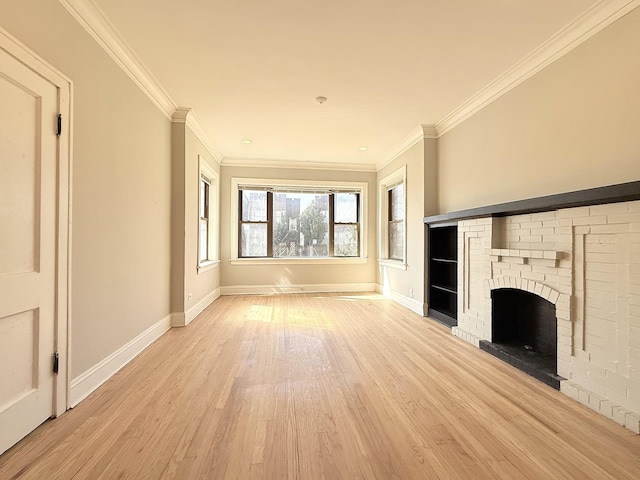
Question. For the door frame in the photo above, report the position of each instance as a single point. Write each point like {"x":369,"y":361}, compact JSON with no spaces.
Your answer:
{"x":62,"y":316}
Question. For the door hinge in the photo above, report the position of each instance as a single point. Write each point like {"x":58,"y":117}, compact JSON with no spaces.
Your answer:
{"x":56,"y":363}
{"x":59,"y":125}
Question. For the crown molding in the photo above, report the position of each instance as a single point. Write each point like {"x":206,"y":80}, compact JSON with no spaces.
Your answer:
{"x":592,"y":21}
{"x":295,"y":164}
{"x":180,"y":115}
{"x":95,"y":22}
{"x":196,"y":127}
{"x":417,"y":134}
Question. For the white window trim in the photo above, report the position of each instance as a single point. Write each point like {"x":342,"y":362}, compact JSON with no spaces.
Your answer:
{"x":213,"y":249}
{"x":237,"y":181}
{"x":396,"y":177}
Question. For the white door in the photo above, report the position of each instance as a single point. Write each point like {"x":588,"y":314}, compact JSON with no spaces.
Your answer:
{"x":28,"y":206}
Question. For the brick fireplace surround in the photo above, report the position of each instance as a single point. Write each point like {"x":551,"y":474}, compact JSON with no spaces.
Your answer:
{"x":584,"y":260}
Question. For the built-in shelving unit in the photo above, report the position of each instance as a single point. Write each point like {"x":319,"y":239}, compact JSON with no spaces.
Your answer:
{"x":443,"y":273}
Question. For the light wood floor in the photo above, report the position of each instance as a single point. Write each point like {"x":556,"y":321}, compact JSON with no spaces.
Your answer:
{"x":322,"y":386}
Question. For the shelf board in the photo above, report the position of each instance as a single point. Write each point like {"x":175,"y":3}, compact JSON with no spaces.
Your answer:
{"x":623,"y":192}
{"x":444,"y":260}
{"x":445,"y":289}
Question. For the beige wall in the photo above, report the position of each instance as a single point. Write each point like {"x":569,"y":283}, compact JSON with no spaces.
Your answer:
{"x":572,"y":126}
{"x":186,"y":280}
{"x":294,"y":274}
{"x":393,"y":281}
{"x":204,"y":283}
{"x":121,"y":186}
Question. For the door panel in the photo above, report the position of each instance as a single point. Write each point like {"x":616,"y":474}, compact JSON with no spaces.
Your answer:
{"x":28,"y":178}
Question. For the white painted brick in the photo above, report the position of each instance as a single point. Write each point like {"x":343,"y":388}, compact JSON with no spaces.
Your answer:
{"x":600,"y":220}
{"x":553,"y":296}
{"x":601,"y":267}
{"x":615,"y":228}
{"x":581,"y":229}
{"x":606,"y":408}
{"x":570,"y":389}
{"x":583,"y":355}
{"x":544,"y":269}
{"x":619,"y":415}
{"x":538,"y":277}
{"x":600,"y":276}
{"x":563,"y":231}
{"x":538,"y":289}
{"x":610,"y":208}
{"x":573,"y":212}
{"x":594,"y":401}
{"x":624,"y":218}
{"x":530,"y":238}
{"x":543,"y":216}
{"x":583,"y":398}
{"x":532,"y":224}
{"x":543,"y":231}
{"x":632,"y":422}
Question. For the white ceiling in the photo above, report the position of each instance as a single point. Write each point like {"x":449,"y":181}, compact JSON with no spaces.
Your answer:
{"x":251,"y":69}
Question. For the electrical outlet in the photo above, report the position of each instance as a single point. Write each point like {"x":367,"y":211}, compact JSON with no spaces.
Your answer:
{"x":411,"y":293}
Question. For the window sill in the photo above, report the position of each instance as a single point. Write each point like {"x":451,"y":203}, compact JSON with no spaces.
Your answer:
{"x":397,"y":264}
{"x":298,"y":261}
{"x":208,"y":265}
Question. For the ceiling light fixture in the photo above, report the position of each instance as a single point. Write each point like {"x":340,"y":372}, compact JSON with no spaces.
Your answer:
{"x":321,"y":100}
{"x":246,"y":141}
{"x":364,"y":149}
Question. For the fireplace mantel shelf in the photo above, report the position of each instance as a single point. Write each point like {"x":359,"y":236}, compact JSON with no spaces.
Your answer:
{"x":542,"y":254}
{"x":623,"y":192}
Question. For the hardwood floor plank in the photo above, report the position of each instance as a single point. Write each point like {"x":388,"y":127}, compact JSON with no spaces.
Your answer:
{"x":322,"y":386}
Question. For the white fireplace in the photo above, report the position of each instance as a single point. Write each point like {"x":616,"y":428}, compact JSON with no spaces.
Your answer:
{"x":586,"y":262}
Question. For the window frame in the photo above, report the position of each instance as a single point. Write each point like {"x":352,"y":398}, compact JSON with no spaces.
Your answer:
{"x":333,"y":223}
{"x":205,"y":171}
{"x":311,"y":185}
{"x":385,"y":185}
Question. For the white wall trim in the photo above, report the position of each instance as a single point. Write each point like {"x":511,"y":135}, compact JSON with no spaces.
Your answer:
{"x":596,"y":18}
{"x":86,"y":383}
{"x":301,"y":288}
{"x":297,"y":164}
{"x":410,"y":303}
{"x":199,"y":307}
{"x":95,"y":22}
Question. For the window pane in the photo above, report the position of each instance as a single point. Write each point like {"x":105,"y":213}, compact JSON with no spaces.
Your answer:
{"x":254,"y":240}
{"x":300,"y":225}
{"x":396,"y":231}
{"x":345,"y":208}
{"x":203,"y":254}
{"x":345,"y":240}
{"x":254,"y":206}
{"x":203,"y":193}
{"x":397,"y":202}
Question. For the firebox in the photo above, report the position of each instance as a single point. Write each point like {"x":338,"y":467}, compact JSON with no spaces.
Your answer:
{"x":524,"y":333}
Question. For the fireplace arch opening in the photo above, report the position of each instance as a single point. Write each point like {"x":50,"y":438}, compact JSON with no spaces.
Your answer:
{"x":524,"y":333}
{"x":524,"y":319}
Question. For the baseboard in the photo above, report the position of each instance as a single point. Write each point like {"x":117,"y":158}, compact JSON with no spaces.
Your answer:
{"x":84,"y":384}
{"x":407,"y":302}
{"x":308,"y":288}
{"x":197,"y":309}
